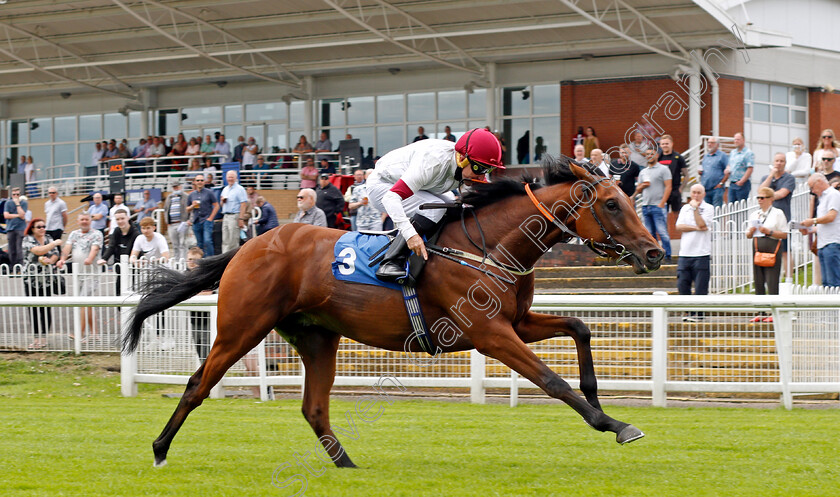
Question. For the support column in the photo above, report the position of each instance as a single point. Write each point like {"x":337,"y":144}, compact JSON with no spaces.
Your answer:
{"x":308,"y":117}
{"x":490,"y":96}
{"x":694,"y":116}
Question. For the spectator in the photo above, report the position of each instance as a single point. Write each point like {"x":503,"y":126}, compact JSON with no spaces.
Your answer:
{"x":693,"y":222}
{"x":578,"y":138}
{"x":168,"y":146}
{"x":118,"y":206}
{"x":367,"y":217}
{"x":368,"y":161}
{"x":539,"y":148}
{"x":626,"y":170}
{"x":597,"y":160}
{"x":111,"y":151}
{"x":421,"y":134}
{"x":238,"y":149}
{"x":522,"y":144}
{"x":655,"y":187}
{"x":29,"y":171}
{"x":121,"y":240}
{"x":447,"y":136}
{"x":741,"y":162}
{"x":302,"y":146}
{"x":330,"y":200}
{"x":145,"y":207}
{"x":222,"y":148}
{"x":268,"y":216}
{"x":157,"y":149}
{"x":783,"y":184}
{"x":207,"y":147}
{"x":41,"y":253}
{"x":209,"y":182}
{"x":261,"y":165}
{"x":83,"y":245}
{"x":714,"y":172}
{"x":828,"y":164}
{"x":638,"y":147}
{"x":323,"y":145}
{"x":149,"y":244}
{"x":21,"y":168}
{"x":358,"y":180}
{"x":827,"y":142}
{"x":249,"y":153}
{"x":827,"y":226}
{"x":140,"y":150}
{"x":97,"y":155}
{"x":798,"y":162}
{"x":98,"y":211}
{"x":200,"y":320}
{"x":580,"y":154}
{"x":202,"y":208}
{"x":590,"y":141}
{"x":676,"y":164}
{"x":55,"y":210}
{"x":309,"y":174}
{"x":175,"y":214}
{"x":768,"y":227}
{"x":179,"y":148}
{"x":308,"y":212}
{"x":193,"y":147}
{"x":234,"y":207}
{"x":326,"y":167}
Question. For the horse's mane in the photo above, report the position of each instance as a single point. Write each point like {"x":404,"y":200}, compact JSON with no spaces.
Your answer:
{"x":555,"y":170}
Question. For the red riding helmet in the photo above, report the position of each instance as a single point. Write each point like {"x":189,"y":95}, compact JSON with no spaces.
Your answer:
{"x":481,"y":148}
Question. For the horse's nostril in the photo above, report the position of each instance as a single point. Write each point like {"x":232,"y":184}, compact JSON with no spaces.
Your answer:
{"x":655,"y":255}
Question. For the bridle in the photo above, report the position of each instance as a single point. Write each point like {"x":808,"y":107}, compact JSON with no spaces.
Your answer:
{"x":599,"y":248}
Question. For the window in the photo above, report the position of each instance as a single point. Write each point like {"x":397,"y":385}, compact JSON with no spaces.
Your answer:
{"x":773,"y":116}
{"x":530,"y":122}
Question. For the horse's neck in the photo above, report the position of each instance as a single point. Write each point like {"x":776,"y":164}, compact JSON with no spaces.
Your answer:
{"x":515,"y":232}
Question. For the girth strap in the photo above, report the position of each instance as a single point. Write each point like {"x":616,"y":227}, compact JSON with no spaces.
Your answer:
{"x":415,"y":316}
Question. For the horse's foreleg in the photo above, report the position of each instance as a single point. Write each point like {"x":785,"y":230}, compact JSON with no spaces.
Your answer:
{"x":503,"y":344}
{"x":535,"y":327}
{"x":317,"y":348}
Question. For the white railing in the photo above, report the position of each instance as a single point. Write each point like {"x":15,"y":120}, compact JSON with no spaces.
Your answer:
{"x":643,"y":343}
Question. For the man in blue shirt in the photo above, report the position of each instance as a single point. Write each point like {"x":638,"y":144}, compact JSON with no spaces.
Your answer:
{"x":202,"y":208}
{"x":234,"y":206}
{"x":741,"y":162}
{"x":268,"y":216}
{"x":15,"y":214}
{"x":714,"y":173}
{"x":222,"y":148}
{"x":145,"y":207}
{"x":98,"y":211}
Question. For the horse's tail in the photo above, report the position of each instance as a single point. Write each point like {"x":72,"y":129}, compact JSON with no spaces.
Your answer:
{"x":166,"y":287}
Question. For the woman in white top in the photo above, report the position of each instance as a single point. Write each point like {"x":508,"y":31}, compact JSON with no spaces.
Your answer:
{"x":768,"y":236}
{"x":798,"y":161}
{"x":827,"y":141}
{"x":249,"y":153}
{"x":150,"y":245}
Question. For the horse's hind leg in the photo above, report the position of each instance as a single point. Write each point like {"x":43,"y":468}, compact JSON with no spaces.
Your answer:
{"x":317,"y":348}
{"x":232,"y":342}
{"x":535,"y":327}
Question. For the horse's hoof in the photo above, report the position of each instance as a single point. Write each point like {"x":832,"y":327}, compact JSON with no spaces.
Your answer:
{"x":159,"y":464}
{"x":628,"y":434}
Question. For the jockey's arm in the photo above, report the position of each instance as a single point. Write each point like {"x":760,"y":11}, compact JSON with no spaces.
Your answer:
{"x":392,"y":201}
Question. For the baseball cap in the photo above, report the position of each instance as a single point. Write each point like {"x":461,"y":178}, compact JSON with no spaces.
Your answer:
{"x":325,"y":175}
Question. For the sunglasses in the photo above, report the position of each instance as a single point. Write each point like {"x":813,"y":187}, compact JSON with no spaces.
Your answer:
{"x":479,"y":168}
{"x":827,"y":136}
{"x":300,"y":197}
{"x":761,"y":198}
{"x":828,"y":159}
{"x":39,"y":227}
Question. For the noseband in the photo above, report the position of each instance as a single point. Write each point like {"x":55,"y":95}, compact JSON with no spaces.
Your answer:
{"x":599,"y":248}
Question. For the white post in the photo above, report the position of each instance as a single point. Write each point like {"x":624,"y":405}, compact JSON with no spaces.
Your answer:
{"x":477,"y":363}
{"x":694,"y":139}
{"x":514,"y":388}
{"x":261,"y":364}
{"x":308,"y":121}
{"x":128,"y":362}
{"x":77,"y":314}
{"x":783,"y":333}
{"x":218,"y":391}
{"x":490,"y":96}
{"x":659,"y":359}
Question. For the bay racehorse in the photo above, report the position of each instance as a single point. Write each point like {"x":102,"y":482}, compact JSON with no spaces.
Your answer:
{"x":282,"y":280}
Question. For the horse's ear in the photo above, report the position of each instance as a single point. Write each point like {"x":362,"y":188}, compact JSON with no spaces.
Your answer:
{"x":581,"y":173}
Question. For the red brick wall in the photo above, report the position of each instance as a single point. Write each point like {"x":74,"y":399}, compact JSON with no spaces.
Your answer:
{"x":823,"y":112}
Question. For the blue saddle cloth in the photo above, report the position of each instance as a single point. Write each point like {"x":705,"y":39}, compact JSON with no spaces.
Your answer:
{"x":352,"y":255}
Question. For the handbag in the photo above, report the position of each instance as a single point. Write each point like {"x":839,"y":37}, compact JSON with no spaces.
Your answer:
{"x":765,"y":259}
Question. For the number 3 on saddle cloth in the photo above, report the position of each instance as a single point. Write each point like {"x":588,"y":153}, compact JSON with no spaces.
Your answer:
{"x":353,"y":251}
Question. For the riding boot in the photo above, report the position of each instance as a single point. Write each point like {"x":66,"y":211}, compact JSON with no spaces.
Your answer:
{"x":393,"y":268}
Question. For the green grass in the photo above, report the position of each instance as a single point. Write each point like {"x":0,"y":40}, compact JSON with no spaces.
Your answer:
{"x":66,"y":431}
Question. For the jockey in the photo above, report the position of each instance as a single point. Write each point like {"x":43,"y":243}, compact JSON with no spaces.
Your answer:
{"x":424,"y":172}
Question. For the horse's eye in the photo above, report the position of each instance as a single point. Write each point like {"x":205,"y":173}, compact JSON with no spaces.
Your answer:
{"x":612,"y":205}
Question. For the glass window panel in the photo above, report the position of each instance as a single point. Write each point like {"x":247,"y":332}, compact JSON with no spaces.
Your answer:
{"x":780,"y":114}
{"x":232,"y":133}
{"x":65,"y":129}
{"x":778,"y":94}
{"x":116,"y":126}
{"x":514,"y":133}
{"x":761,"y":112}
{"x":296,"y":116}
{"x":747,"y":90}
{"x":478,"y":103}
{"x":134,"y":130}
{"x":516,"y":101}
{"x":169,"y":121}
{"x":546,"y":137}
{"x":360,"y":111}
{"x":547,"y":99}
{"x":212,"y":133}
{"x":22,"y":129}
{"x":276,"y":138}
{"x":365,"y":136}
{"x":760,"y":92}
{"x":389,"y":109}
{"x":191,"y":133}
{"x":798,"y":97}
{"x":389,"y":138}
{"x":798,"y":117}
{"x":192,"y":116}
{"x":65,"y":154}
{"x":42,"y":155}
{"x":413,"y":130}
{"x":332,"y":112}
{"x":452,"y":105}
{"x":265,"y":112}
{"x":746,"y":111}
{"x":86,"y":153}
{"x":41,"y":130}
{"x":421,"y":106}
{"x":233,"y":114}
